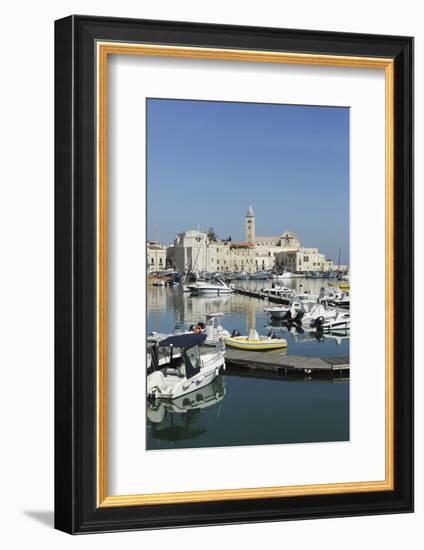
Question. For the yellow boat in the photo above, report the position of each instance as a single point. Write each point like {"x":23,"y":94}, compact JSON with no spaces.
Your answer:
{"x":344,"y":286}
{"x":255,"y":342}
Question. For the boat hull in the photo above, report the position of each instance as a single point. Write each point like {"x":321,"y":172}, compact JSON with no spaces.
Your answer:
{"x":277,"y":313}
{"x":255,"y":345}
{"x":159,"y":387}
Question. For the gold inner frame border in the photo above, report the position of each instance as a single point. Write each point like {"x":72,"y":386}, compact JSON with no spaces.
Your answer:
{"x":103,"y":50}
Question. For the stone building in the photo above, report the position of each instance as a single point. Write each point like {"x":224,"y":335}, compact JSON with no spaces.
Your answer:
{"x":156,"y":256}
{"x":194,"y":251}
{"x":302,"y":260}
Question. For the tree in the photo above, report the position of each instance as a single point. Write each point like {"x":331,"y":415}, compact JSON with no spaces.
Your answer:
{"x":212,"y":236}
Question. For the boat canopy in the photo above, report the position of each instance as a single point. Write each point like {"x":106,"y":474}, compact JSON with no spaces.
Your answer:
{"x":184,"y":341}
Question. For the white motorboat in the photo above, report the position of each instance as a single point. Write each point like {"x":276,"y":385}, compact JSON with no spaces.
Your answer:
{"x":319,"y":313}
{"x":277,"y":291}
{"x":340,"y":322}
{"x":307,"y":296}
{"x":285,"y":275}
{"x":334,"y":296}
{"x":343,"y":301}
{"x":175,"y":374}
{"x":214,"y":330}
{"x":288,"y":311}
{"x":217,"y":286}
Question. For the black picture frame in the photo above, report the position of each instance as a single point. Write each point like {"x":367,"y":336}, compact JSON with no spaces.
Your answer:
{"x":76,"y":510}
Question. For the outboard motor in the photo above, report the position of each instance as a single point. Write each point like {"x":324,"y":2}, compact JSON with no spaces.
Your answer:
{"x":288,"y":316}
{"x":235,"y":333}
{"x":318,"y":322}
{"x":298,"y":318}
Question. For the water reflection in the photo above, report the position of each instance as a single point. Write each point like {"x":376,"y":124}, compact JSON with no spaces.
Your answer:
{"x":170,"y":306}
{"x":242,"y":409}
{"x":180,"y":419}
{"x":299,"y":334}
{"x":248,"y":408}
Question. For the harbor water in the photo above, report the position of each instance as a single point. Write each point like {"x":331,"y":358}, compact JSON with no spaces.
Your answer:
{"x":241,"y":408}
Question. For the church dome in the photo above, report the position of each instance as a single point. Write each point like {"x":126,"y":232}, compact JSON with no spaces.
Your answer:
{"x":289,"y":235}
{"x":289,"y":239}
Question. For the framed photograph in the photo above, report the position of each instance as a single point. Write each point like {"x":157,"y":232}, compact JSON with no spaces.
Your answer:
{"x":234,"y":274}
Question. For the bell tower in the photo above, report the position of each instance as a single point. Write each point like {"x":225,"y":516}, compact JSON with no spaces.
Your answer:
{"x":250,"y":226}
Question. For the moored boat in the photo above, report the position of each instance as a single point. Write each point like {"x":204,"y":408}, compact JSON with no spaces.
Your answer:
{"x":341,"y":321}
{"x":214,"y":330}
{"x":254,"y":342}
{"x":175,"y":374}
{"x":217,"y":286}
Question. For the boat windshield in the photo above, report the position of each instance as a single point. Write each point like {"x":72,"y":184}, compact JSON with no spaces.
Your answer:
{"x":168,"y":357}
{"x":194,"y":356}
{"x":192,"y":361}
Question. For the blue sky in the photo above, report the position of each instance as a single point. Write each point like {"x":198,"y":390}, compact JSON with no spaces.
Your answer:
{"x":208,"y":161}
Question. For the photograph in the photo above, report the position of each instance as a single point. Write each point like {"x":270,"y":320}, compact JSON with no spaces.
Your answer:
{"x":247,"y":274}
{"x":220,"y":190}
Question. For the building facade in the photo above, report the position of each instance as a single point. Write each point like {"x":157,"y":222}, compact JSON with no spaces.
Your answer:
{"x":194,"y":251}
{"x":156,"y":256}
{"x":302,"y":260}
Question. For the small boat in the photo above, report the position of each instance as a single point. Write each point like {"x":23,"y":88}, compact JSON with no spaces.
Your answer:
{"x":341,"y":301}
{"x":344,"y":286}
{"x":254,"y":342}
{"x":307,"y":296}
{"x":213,"y":329}
{"x":217,"y":286}
{"x":286,"y":312}
{"x":286,"y":275}
{"x":277,"y":291}
{"x":172,"y":375}
{"x":319,"y":313}
{"x":339,"y":322}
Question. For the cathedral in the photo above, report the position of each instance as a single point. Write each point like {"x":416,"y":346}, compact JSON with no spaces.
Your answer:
{"x":287,"y":240}
{"x":194,"y":251}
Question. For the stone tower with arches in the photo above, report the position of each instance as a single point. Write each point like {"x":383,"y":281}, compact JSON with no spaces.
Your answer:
{"x":250,"y":226}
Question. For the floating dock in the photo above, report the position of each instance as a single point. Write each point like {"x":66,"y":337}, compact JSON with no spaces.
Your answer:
{"x":260,"y":295}
{"x":284,"y":363}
